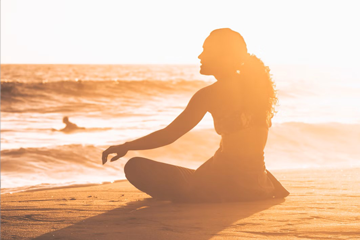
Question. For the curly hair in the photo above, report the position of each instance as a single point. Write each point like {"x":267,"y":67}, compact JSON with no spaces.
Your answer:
{"x":258,"y":93}
{"x":257,"y":89}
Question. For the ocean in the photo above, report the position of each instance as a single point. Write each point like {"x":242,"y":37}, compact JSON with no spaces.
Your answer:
{"x":317,"y":124}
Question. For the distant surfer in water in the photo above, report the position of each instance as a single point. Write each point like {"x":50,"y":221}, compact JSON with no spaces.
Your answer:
{"x":70,"y":127}
{"x":241,"y":102}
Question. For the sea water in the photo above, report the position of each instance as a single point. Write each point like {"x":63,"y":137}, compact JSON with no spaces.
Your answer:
{"x":317,"y":124}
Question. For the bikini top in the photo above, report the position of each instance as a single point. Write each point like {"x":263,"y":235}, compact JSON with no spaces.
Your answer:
{"x":240,"y":136}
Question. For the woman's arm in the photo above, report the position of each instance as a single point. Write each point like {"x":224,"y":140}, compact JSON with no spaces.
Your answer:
{"x":188,"y":119}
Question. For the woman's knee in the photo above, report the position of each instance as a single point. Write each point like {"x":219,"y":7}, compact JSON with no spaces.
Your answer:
{"x":133,"y":166}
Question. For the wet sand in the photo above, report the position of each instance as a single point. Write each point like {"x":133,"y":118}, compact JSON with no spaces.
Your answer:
{"x":324,"y":204}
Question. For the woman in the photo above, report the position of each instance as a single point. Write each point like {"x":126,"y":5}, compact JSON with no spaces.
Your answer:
{"x":242,"y":105}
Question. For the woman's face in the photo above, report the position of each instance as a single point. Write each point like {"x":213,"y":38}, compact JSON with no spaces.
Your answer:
{"x":208,"y":58}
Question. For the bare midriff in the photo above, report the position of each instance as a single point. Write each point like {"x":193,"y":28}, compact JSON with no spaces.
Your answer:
{"x":246,"y":142}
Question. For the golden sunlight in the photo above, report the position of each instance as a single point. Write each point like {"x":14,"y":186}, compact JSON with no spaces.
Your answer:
{"x":190,"y":119}
{"x":83,"y":31}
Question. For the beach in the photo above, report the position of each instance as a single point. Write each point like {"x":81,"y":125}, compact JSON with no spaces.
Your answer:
{"x":323,"y":204}
{"x":52,"y":182}
{"x":249,"y":85}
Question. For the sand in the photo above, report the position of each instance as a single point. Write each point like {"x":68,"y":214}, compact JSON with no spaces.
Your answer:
{"x":324,"y":204}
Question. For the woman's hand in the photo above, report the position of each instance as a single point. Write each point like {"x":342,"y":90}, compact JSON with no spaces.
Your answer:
{"x":120,"y":151}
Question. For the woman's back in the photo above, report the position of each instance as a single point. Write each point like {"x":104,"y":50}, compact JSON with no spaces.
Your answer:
{"x":240,"y":137}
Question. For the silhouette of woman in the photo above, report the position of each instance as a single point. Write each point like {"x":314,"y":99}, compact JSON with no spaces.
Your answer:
{"x":241,"y":103}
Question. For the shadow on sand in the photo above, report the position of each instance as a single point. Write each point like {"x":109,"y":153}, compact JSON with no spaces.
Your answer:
{"x":151,"y":219}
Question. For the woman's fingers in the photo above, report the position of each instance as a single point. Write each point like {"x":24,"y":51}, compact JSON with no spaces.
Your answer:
{"x":119,"y":150}
{"x":105,"y":155}
{"x":115,"y":158}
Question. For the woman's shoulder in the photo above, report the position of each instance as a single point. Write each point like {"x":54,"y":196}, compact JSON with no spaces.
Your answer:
{"x":203,"y":97}
{"x":207,"y":91}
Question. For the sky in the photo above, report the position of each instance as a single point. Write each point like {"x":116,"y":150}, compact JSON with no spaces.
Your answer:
{"x":312,"y":32}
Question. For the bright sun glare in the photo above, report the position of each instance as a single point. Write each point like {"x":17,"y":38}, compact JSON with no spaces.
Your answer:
{"x":110,"y":32}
